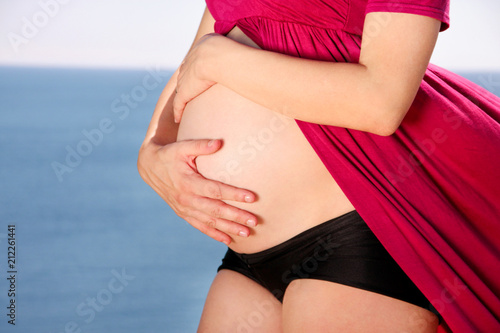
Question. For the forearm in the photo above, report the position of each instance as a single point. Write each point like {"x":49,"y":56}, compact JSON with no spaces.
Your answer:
{"x":373,"y":95}
{"x":162,"y":129}
{"x":339,"y":94}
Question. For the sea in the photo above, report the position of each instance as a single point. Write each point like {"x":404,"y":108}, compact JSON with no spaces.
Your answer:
{"x":85,"y":244}
{"x":93,"y":247}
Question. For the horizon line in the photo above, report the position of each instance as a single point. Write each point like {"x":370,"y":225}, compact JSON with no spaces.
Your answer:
{"x":163,"y":68}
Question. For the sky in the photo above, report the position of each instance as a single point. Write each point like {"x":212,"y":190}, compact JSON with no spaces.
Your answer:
{"x":157,"y":33}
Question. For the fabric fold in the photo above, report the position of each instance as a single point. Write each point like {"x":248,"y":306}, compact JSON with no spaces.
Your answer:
{"x":431,"y":191}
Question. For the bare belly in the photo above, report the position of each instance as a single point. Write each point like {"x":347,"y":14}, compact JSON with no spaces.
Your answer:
{"x":266,"y":153}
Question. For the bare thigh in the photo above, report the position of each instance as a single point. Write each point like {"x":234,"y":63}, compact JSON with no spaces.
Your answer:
{"x":322,"y":306}
{"x":237,"y":304}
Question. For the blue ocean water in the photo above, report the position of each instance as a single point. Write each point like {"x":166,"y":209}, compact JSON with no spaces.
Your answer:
{"x":96,"y":249}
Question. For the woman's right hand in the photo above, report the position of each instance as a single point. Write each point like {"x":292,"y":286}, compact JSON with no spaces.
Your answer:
{"x":171,"y":171}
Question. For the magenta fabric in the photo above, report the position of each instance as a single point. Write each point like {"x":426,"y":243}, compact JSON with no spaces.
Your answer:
{"x":438,"y":9}
{"x":431,"y":191}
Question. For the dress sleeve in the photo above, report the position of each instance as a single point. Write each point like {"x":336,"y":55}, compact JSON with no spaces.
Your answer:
{"x":438,"y":9}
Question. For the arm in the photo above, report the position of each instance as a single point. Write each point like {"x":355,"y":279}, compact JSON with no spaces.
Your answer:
{"x":162,"y":128}
{"x":168,"y":167}
{"x":373,"y":95}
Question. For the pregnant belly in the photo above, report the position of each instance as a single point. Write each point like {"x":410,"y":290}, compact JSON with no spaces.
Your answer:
{"x":266,"y":153}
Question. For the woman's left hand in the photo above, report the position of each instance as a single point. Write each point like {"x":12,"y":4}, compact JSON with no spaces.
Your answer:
{"x":192,"y":79}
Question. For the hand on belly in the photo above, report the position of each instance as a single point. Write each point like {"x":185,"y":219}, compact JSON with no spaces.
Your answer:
{"x":266,"y":153}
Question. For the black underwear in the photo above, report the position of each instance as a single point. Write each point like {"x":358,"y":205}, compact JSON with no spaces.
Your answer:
{"x":343,"y":250}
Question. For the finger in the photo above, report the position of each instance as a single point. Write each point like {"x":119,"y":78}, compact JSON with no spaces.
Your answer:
{"x":210,"y":232}
{"x":225,"y":226}
{"x":198,"y":147}
{"x":213,"y":189}
{"x":205,"y":208}
{"x":200,"y":185}
{"x":178,"y":106}
{"x":206,"y":187}
{"x":217,"y":209}
{"x":206,"y":223}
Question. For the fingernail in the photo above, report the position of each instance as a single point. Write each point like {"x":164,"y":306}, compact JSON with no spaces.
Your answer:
{"x":243,"y":234}
{"x":248,"y":198}
{"x":225,"y":242}
{"x":210,"y":143}
{"x":251,"y":223}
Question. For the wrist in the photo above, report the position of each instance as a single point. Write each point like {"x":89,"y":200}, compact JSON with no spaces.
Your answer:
{"x":215,"y":52}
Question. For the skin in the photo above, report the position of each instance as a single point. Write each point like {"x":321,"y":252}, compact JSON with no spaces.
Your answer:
{"x":168,"y":167}
{"x":388,"y":75}
{"x":372,"y":96}
{"x":235,"y":303}
{"x":257,"y":144}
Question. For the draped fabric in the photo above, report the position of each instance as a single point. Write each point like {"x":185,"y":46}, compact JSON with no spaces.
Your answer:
{"x":431,"y":191}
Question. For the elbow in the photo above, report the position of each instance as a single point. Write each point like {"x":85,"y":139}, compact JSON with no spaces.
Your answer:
{"x":388,"y":106}
{"x":388,"y":121}
{"x":387,"y":129}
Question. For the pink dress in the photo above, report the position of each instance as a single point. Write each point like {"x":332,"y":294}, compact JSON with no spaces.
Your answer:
{"x":431,"y":191}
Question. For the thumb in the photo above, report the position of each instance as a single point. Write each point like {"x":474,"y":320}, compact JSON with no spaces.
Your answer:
{"x":199,"y":146}
{"x":178,"y":109}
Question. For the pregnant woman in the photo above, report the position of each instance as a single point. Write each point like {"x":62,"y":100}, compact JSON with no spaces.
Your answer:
{"x":355,"y":185}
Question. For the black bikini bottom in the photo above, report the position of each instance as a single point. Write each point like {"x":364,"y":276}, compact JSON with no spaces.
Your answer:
{"x":343,"y":250}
